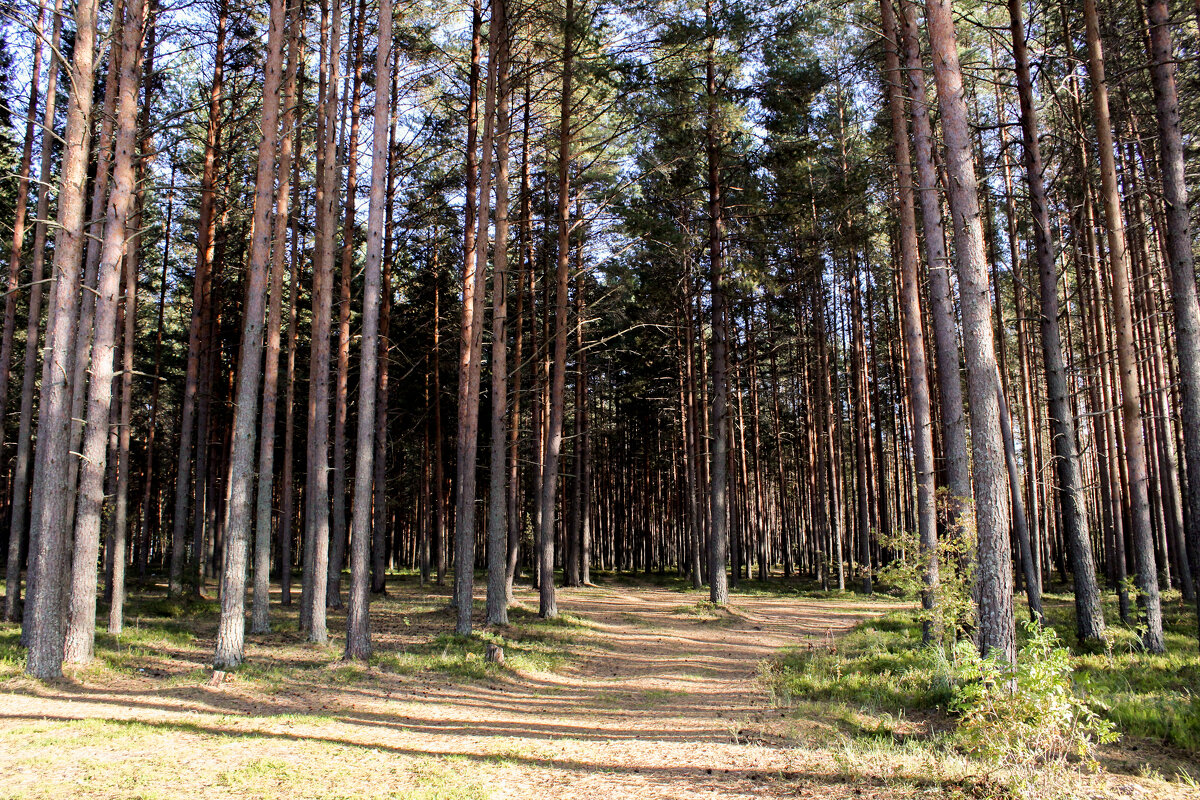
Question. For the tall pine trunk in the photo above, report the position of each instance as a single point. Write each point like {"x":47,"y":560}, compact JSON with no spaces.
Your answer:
{"x":1131,"y":393}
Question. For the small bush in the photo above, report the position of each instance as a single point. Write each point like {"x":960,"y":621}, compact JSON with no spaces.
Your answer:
{"x":1029,"y":714}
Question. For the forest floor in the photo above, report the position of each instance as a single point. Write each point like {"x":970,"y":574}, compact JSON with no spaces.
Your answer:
{"x":637,"y":691}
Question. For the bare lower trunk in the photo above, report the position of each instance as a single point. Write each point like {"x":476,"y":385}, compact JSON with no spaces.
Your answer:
{"x":1088,"y":613}
{"x":48,"y":534}
{"x":497,"y":525}
{"x":992,"y":503}
{"x":913,"y":330}
{"x":1181,"y":263}
{"x":1135,"y":444}
{"x":81,"y":628}
{"x":12,"y":590}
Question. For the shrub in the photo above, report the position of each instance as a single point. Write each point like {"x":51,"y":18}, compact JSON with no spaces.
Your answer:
{"x":1028,"y":714}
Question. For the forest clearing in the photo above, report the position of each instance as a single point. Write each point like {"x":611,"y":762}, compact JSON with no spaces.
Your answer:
{"x":635,"y":691}
{"x":600,"y":398}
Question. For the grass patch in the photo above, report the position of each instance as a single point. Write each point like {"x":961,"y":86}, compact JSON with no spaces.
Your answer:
{"x":881,"y":671}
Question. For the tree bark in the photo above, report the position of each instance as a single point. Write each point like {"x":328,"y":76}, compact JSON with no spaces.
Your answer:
{"x":497,"y":595}
{"x":1181,"y":262}
{"x":1089,"y":616}
{"x":44,"y":619}
{"x":204,"y":244}
{"x":12,"y":586}
{"x":992,"y":503}
{"x":913,"y":330}
{"x":1131,"y":394}
{"x":81,"y":627}
{"x":358,"y":633}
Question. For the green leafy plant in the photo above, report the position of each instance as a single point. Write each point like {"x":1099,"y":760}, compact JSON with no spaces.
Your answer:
{"x":1027,"y":714}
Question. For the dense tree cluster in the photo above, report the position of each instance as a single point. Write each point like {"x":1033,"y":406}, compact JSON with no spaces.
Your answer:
{"x":544,"y":288}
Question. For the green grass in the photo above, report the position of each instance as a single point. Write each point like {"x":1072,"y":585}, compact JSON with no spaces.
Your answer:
{"x":881,"y":665}
{"x":882,"y":669}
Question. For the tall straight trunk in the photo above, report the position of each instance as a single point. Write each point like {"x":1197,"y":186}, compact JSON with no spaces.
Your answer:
{"x":230,"y":648}
{"x":1131,"y":393}
{"x":149,"y":482}
{"x":316,"y":494}
{"x":287,"y":492}
{"x":19,"y":526}
{"x":81,"y":627}
{"x":44,"y":617}
{"x":204,"y":244}
{"x":497,"y":525}
{"x":913,"y":329}
{"x":945,"y":334}
{"x":133,"y":261}
{"x":259,"y":611}
{"x":584,"y":449}
{"x":719,"y":537}
{"x":83,"y":332}
{"x":358,"y":633}
{"x":473,"y":291}
{"x":548,"y":605}
{"x":12,"y":590}
{"x":524,"y":255}
{"x":1089,"y":616}
{"x":338,"y":533}
{"x":992,"y":503}
{"x":1181,"y":262}
{"x":379,"y":522}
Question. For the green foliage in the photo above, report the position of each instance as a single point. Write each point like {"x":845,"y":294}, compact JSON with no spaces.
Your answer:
{"x":1028,"y":713}
{"x":953,"y":608}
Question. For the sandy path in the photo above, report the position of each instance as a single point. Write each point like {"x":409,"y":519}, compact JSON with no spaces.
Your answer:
{"x":664,"y":703}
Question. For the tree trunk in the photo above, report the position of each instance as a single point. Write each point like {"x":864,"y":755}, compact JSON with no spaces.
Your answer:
{"x":81,"y":627}
{"x":913,"y":330}
{"x":316,"y":495}
{"x":474,"y":265}
{"x":44,"y":619}
{"x":992,"y":504}
{"x":358,"y":633}
{"x":548,"y":606}
{"x":1135,"y":444}
{"x":945,"y":335}
{"x":1181,"y":263}
{"x":719,"y":537}
{"x":259,"y":613}
{"x":204,"y":245}
{"x":1089,"y":616}
{"x":12,"y":590}
{"x":497,"y":526}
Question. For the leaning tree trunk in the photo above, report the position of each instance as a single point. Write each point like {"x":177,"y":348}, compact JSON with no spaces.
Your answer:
{"x":945,"y":335}
{"x":1182,"y":265}
{"x":992,"y":504}
{"x":231,"y":632}
{"x":1131,"y":393}
{"x":1089,"y":616}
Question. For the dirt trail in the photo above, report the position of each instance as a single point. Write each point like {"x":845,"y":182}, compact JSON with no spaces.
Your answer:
{"x":663,"y":703}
